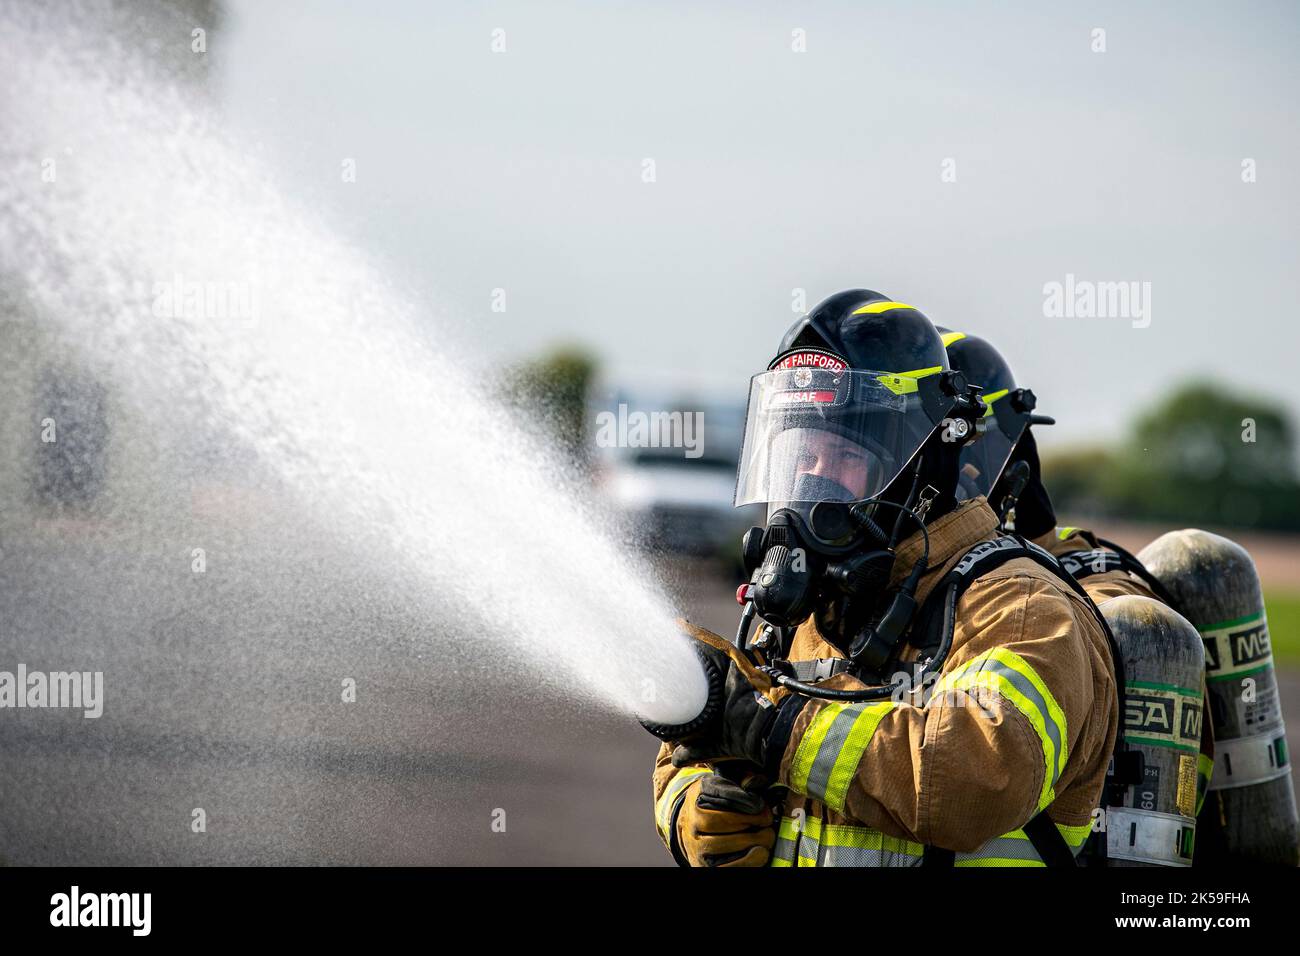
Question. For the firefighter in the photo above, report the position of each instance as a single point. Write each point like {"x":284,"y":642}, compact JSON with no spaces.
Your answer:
{"x":1009,"y":473}
{"x":1207,"y":580}
{"x":924,"y":690}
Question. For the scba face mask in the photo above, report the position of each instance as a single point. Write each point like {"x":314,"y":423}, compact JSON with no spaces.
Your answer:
{"x":821,"y":447}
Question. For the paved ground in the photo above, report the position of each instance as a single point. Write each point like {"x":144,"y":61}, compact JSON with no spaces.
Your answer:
{"x":228,"y":702}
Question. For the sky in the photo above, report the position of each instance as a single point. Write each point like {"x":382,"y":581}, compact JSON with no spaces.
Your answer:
{"x":958,"y":157}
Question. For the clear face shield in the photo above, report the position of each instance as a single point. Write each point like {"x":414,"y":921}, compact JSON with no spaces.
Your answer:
{"x":983,"y":460}
{"x":816,"y":434}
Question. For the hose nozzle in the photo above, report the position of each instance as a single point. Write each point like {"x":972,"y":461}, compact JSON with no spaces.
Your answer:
{"x":715,"y":673}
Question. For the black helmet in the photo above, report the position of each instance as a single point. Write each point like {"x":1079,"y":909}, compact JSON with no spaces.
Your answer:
{"x":859,"y":386}
{"x":1004,"y":436}
{"x":869,"y":331}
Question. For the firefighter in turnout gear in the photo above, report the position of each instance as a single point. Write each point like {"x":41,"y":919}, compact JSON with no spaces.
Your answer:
{"x":1009,"y":473}
{"x":923,"y":689}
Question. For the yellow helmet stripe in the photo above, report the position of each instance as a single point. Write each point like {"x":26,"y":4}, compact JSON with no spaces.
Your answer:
{"x":950,"y":337}
{"x":992,"y":397}
{"x":903,"y":383}
{"x":871,"y":308}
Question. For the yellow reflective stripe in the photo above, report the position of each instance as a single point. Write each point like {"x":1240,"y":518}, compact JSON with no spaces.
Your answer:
{"x":950,"y":337}
{"x":866,"y":838}
{"x":1075,"y":836}
{"x":790,"y":829}
{"x":843,"y":834}
{"x":1016,"y":849}
{"x":1007,"y":674}
{"x":793,"y":841}
{"x":809,"y":744}
{"x":904,"y":383}
{"x":1205,"y":766}
{"x":811,"y":842}
{"x":992,"y":397}
{"x":829,"y":752}
{"x":664,"y":808}
{"x":1204,"y":773}
{"x":850,"y":755}
{"x":872,"y":308}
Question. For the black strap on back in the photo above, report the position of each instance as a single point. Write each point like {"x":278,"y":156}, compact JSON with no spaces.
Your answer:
{"x":1049,"y":842}
{"x":1111,"y":557}
{"x":936,"y":621}
{"x":1133,"y":566}
{"x":1043,"y":836}
{"x":979,"y":561}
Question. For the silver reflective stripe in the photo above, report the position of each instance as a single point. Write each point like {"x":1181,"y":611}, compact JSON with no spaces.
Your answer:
{"x":861,"y":856}
{"x":784,"y":850}
{"x":828,"y":753}
{"x":805,"y":845}
{"x":875,"y":849}
{"x":1003,"y":848}
{"x":1026,"y":687}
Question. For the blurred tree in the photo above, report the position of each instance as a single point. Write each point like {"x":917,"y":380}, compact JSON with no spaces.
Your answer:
{"x":551,"y":392}
{"x":1203,"y":455}
{"x":1072,"y":478}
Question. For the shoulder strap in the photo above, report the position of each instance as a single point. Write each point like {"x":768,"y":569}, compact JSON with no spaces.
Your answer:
{"x":1048,"y":841}
{"x":1111,"y":557}
{"x":1084,"y":564}
{"x":1133,"y":566}
{"x":980,"y":560}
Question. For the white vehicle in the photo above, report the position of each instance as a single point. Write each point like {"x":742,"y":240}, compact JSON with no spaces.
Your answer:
{"x":666,"y":461}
